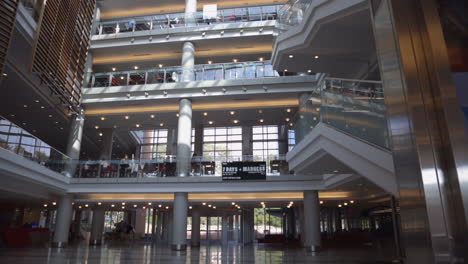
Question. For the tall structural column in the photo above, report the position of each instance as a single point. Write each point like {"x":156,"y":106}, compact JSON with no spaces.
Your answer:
{"x":247,"y":145}
{"x":311,"y":227}
{"x":179,"y":222}
{"x":62,"y":225}
{"x":426,"y":129}
{"x":190,"y":9}
{"x":195,"y":227}
{"x":107,"y":142}
{"x":184,"y":138}
{"x":97,"y":226}
{"x":198,"y":141}
{"x":188,"y":61}
{"x":74,"y":143}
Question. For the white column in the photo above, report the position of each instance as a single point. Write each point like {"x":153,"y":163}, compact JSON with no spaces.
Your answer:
{"x":184,"y":138}
{"x":195,"y":227}
{"x":97,"y":226}
{"x":179,"y":220}
{"x":62,"y":226}
{"x":190,"y":9}
{"x":311,"y":227}
{"x":159,"y":235}
{"x":74,"y":143}
{"x":188,"y":61}
{"x":107,"y":142}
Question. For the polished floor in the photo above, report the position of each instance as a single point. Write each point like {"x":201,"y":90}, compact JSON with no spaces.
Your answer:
{"x":145,"y":253}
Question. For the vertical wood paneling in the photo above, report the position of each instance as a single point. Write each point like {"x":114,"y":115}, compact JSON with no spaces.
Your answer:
{"x":7,"y":21}
{"x":62,"y":43}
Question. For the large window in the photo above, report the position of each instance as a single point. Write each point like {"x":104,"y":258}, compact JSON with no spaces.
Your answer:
{"x":265,"y":142}
{"x":154,"y":144}
{"x":291,"y":139}
{"x":222,"y":144}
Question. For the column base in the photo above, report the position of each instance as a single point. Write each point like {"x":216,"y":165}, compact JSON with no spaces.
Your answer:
{"x":95,"y":242}
{"x":179,"y":247}
{"x":59,"y":244}
{"x":313,"y":248}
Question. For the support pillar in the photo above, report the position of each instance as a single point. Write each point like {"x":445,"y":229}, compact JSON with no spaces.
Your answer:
{"x":97,"y":226}
{"x":74,"y":143}
{"x":190,"y":10}
{"x":198,"y":141}
{"x":159,"y":235}
{"x":184,"y":138}
{"x":247,"y":145}
{"x":179,"y":220}
{"x":195,"y":227}
{"x":188,"y":61}
{"x":224,"y":230}
{"x":62,"y":226}
{"x":311,"y":225}
{"x":171,"y":142}
{"x":107,"y":142}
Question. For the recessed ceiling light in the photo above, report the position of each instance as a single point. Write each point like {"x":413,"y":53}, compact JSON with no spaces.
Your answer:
{"x":321,"y":202}
{"x":37,"y":101}
{"x":205,"y":113}
{"x":159,"y":205}
{"x":190,"y":207}
{"x":177,"y":115}
{"x":203,"y":203}
{"x":96,"y":127}
{"x":309,"y":71}
{"x":54,"y":203}
{"x":336,"y":171}
{"x":42,"y":107}
{"x":135,"y":205}
{"x":56,"y":122}
{"x":210,"y":122}
{"x":50,"y":115}
{"x":291,"y":56}
{"x":209,"y":205}
{"x":260,"y":59}
{"x":285,"y":70}
{"x":167,"y":207}
{"x":121,"y":77}
{"x":260,"y":111}
{"x":233,"y":203}
{"x":288,"y":119}
{"x":135,"y":67}
{"x":316,"y":57}
{"x":235,"y":121}
{"x":345,"y":204}
{"x":261,"y":120}
{"x":232,"y":112}
{"x":112,"y":205}
{"x":351,"y":201}
{"x":162,"y":124}
{"x":209,"y":62}
{"x":123,"y":203}
{"x":25,"y":106}
{"x":5,"y":74}
{"x":291,"y":124}
{"x":339,"y":205}
{"x":214,"y":207}
{"x":234,"y":60}
{"x":137,"y":125}
{"x":100,"y":134}
{"x":86,"y":205}
{"x":150,"y":203}
{"x":123,"y":207}
{"x":288,"y":110}
{"x":152,"y":116}
{"x":127,"y":117}
{"x":160,"y":65}
{"x":103,"y":118}
{"x":99,"y":203}
{"x":113,"y":69}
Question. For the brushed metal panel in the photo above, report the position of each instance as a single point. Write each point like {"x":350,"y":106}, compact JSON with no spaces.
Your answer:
{"x":426,"y":128}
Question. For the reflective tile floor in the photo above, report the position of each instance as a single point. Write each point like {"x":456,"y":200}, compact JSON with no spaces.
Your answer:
{"x":143,"y":253}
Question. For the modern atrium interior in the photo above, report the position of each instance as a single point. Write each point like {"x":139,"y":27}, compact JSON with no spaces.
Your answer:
{"x":228,"y":131}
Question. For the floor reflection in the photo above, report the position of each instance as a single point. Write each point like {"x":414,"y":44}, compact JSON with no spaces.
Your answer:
{"x":145,"y":253}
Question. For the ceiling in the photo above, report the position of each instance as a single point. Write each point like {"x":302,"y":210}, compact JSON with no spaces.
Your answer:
{"x":344,"y":46}
{"x":124,"y":8}
{"x":170,"y":54}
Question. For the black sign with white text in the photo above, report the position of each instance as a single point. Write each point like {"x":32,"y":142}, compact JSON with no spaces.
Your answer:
{"x":244,"y":170}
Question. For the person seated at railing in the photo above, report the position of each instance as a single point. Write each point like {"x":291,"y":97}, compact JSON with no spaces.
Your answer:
{"x":124,"y":165}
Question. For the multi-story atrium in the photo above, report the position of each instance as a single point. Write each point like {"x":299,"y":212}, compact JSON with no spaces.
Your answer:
{"x":227,"y":131}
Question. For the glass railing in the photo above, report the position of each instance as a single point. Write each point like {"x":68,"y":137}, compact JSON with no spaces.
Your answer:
{"x":166,"y":167}
{"x":355,"y":107}
{"x":176,"y":20}
{"x":204,"y":72}
{"x":23,"y":143}
{"x":292,"y":13}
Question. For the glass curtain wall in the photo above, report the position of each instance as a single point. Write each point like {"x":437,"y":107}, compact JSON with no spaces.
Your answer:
{"x":265,"y":142}
{"x":154,"y":144}
{"x":222,"y":144}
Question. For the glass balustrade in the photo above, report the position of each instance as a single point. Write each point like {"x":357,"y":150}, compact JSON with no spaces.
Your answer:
{"x":292,"y":13}
{"x":175,"y":20}
{"x":207,"y":72}
{"x":354,"y":107}
{"x":23,"y":143}
{"x":165,"y":166}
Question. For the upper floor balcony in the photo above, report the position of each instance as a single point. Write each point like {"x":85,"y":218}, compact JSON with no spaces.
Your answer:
{"x":158,"y":22}
{"x":202,"y":80}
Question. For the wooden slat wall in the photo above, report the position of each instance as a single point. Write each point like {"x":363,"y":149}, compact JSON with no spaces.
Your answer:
{"x":61,"y":46}
{"x":7,"y":21}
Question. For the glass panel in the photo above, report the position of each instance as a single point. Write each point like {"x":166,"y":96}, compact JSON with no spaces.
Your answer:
{"x":101,"y":81}
{"x":155,"y":77}
{"x":126,"y":26}
{"x":136,"y":78}
{"x":119,"y":80}
{"x":143,"y":24}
